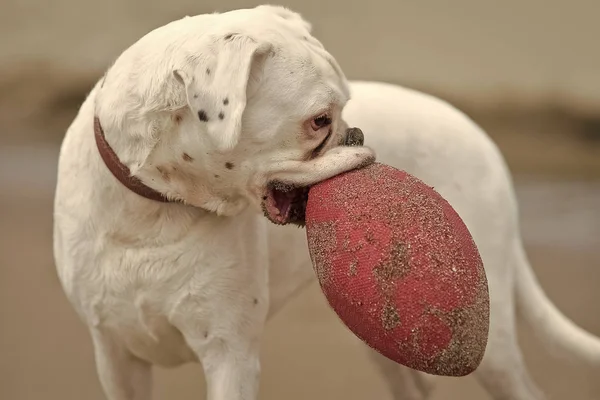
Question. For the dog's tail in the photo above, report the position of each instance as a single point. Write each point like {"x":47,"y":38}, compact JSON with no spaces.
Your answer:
{"x":553,"y":328}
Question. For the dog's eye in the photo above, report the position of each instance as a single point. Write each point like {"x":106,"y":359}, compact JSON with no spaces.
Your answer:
{"x":320,"y":122}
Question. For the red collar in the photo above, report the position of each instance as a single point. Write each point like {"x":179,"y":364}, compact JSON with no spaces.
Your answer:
{"x":120,"y":170}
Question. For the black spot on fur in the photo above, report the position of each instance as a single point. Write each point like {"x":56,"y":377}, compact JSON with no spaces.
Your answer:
{"x":196,"y":96}
{"x":229,"y":165}
{"x":255,"y":301}
{"x":229,"y":37}
{"x":225,"y":101}
{"x":205,"y":334}
{"x":207,"y":71}
{"x":202,"y":116}
{"x":217,"y":176}
{"x":221,"y":115}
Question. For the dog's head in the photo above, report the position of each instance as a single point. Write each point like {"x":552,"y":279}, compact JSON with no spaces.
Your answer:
{"x":250,"y":113}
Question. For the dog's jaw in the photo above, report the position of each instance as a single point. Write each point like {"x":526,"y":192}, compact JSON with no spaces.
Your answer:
{"x":285,"y":204}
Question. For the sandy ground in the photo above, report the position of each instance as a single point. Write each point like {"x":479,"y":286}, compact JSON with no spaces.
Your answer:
{"x":308,"y":354}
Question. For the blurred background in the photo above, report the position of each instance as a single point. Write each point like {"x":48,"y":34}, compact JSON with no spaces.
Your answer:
{"x":528,"y":72}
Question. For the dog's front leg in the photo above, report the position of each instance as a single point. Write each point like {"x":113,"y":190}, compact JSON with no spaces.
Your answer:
{"x":225,"y":332}
{"x":229,"y":356}
{"x":122,"y":375}
{"x":232,"y":374}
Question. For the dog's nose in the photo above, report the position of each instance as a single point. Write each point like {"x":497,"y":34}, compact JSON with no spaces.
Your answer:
{"x":354,"y":137}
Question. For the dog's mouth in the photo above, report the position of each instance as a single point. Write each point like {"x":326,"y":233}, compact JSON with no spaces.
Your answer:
{"x":285,"y":204}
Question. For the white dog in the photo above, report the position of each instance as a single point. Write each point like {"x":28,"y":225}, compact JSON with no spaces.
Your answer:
{"x":213,"y":120}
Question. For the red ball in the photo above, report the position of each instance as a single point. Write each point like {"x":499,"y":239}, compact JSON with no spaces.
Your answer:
{"x":400,"y":268}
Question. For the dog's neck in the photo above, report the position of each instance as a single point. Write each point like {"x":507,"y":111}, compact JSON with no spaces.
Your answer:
{"x":120,"y":170}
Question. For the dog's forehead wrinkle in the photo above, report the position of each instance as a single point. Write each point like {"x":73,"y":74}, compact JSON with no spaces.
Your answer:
{"x":308,"y":90}
{"x":319,"y":69}
{"x":330,"y":70}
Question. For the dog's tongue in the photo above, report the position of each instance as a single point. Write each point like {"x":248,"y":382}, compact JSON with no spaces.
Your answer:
{"x":283,"y":201}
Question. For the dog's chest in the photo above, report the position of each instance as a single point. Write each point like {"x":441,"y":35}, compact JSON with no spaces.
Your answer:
{"x":144,"y":326}
{"x":147,"y":298}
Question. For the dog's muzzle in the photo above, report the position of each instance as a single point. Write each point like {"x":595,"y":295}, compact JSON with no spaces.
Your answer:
{"x":354,"y":137}
{"x":286,"y":204}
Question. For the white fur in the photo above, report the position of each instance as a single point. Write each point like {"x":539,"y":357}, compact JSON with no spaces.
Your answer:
{"x":167,"y":284}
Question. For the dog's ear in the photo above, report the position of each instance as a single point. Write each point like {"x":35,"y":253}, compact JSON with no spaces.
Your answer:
{"x":216,"y":86}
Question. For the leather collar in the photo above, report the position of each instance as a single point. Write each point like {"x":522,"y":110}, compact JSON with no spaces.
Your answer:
{"x":120,"y":170}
